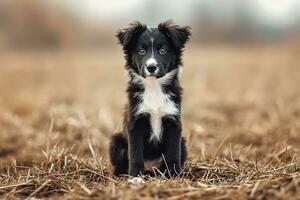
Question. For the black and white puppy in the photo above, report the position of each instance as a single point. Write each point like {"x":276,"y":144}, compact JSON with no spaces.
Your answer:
{"x":152,"y":121}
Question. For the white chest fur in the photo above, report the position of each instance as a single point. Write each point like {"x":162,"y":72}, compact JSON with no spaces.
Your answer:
{"x":157,"y":104}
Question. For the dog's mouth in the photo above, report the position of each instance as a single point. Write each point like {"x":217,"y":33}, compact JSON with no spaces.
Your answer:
{"x":151,"y":77}
{"x":154,"y":76}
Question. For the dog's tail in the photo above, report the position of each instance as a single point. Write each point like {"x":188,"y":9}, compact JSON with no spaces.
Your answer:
{"x":118,"y":153}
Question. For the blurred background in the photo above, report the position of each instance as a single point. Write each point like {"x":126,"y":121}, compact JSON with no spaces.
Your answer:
{"x":92,"y":23}
{"x":61,"y":67}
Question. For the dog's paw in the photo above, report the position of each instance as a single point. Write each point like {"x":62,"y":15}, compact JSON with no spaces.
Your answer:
{"x":136,"y":181}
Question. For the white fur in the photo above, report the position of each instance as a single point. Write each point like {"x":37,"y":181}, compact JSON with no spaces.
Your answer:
{"x":155,"y":102}
{"x":136,"y":181}
{"x":151,"y":60}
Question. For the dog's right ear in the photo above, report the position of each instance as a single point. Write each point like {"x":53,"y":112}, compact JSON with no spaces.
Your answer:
{"x":177,"y":34}
{"x":128,"y":35}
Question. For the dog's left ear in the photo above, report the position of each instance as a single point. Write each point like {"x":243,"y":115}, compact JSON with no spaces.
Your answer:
{"x":127,"y":35}
{"x":178,"y":35}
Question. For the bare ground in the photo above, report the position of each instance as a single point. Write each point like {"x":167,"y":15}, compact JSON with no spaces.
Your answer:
{"x":241,"y":116}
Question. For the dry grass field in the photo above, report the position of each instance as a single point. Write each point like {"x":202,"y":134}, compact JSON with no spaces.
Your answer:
{"x":241,"y":116}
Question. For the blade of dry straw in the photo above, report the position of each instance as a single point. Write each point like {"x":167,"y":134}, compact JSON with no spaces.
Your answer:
{"x":220,"y":146}
{"x":39,"y":188}
{"x":15,"y":185}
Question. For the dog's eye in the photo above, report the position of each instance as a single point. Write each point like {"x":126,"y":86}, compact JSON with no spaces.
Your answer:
{"x":142,"y":51}
{"x":163,"y":50}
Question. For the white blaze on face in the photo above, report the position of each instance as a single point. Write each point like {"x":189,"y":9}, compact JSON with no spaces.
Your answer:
{"x":151,"y":60}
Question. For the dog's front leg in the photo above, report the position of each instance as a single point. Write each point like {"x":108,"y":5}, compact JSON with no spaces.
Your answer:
{"x":172,"y":153}
{"x":136,"y":146}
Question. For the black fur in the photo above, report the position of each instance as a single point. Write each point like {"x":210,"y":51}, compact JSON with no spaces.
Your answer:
{"x":119,"y":153}
{"x":129,"y":149}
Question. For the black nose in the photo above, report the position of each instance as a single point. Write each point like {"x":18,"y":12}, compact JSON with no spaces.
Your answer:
{"x":151,"y":68}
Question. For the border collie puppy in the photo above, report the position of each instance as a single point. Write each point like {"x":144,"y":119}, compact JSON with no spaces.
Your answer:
{"x":152,"y":121}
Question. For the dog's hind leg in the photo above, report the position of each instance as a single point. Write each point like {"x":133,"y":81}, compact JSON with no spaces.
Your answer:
{"x":183,"y":151}
{"x":118,"y":153}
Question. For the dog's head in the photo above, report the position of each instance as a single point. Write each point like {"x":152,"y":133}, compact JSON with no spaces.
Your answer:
{"x":153,"y":52}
